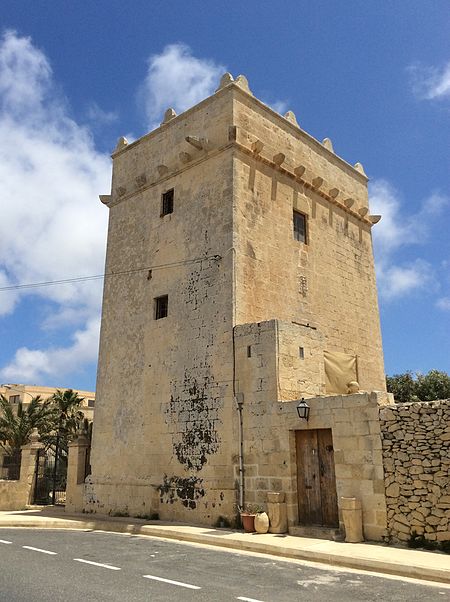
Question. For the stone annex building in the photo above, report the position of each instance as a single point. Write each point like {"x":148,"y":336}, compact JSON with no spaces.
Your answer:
{"x":240,"y":279}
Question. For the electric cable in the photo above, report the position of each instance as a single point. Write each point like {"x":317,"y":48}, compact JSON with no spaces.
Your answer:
{"x":14,"y":287}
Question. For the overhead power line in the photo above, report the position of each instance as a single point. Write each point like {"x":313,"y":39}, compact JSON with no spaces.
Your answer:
{"x":15,"y":287}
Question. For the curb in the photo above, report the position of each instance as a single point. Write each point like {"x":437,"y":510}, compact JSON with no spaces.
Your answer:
{"x":390,"y":567}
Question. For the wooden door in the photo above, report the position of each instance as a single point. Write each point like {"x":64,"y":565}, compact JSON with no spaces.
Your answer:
{"x":316,"y":482}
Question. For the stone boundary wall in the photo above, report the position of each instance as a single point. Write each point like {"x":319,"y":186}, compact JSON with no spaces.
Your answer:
{"x":416,"y":458}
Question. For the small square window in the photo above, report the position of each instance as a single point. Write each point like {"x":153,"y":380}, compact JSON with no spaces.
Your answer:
{"x":167,"y":202}
{"x":299,"y":221}
{"x":91,"y":403}
{"x":14,"y":398}
{"x":161,"y":307}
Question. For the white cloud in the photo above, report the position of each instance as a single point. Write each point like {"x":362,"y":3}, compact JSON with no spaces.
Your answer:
{"x":98,"y":116}
{"x":177,"y":79}
{"x":280,"y":106}
{"x":430,"y":83}
{"x":397,"y":230}
{"x":400,"y":280}
{"x":443,"y":303}
{"x":52,"y":224}
{"x":31,"y":365}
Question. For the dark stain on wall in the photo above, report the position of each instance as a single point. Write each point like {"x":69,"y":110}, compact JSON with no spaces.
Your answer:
{"x":192,"y":416}
{"x":187,"y":490}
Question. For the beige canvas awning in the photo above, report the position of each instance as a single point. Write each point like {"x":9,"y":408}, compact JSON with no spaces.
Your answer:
{"x":340,"y":369}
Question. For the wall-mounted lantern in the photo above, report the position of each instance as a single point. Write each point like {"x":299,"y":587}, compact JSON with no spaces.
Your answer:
{"x":303,"y":410}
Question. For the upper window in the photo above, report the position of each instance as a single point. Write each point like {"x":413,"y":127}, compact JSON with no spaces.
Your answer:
{"x":161,"y":307}
{"x":91,"y":403}
{"x":14,"y":398}
{"x":299,"y":222}
{"x":167,"y":202}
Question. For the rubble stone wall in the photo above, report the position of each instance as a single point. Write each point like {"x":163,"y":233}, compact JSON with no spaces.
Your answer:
{"x":416,"y":458}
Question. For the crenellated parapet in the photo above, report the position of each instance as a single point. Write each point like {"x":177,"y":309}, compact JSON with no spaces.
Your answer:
{"x":298,"y":157}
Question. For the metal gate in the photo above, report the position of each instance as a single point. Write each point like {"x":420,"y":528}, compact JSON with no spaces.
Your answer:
{"x":50,"y":478}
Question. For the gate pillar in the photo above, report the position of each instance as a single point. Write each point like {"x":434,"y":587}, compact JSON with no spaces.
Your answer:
{"x":76,"y":473}
{"x":28,"y":466}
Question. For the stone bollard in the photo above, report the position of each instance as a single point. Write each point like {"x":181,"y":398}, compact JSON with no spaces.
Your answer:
{"x":352,"y":517}
{"x":277,"y":511}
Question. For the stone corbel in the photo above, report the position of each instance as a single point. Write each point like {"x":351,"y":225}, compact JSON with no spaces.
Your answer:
{"x":363,"y":211}
{"x":333,"y":192}
{"x":141,"y":180}
{"x":105,"y":198}
{"x":162,"y":170}
{"x":279,"y":159}
{"x":349,"y":202}
{"x":185,"y":157}
{"x":299,"y":170}
{"x":121,"y":190}
{"x":374,"y":218}
{"x":317,"y":182}
{"x":198,"y":143}
{"x":257,"y":146}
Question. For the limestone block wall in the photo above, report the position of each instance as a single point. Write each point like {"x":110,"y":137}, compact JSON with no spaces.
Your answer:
{"x":328,"y":282}
{"x":162,"y":438}
{"x":269,"y":433}
{"x":416,"y":460}
{"x":13,"y":495}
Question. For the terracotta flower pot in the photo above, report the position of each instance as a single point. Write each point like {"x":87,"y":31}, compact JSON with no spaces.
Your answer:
{"x":248,"y":522}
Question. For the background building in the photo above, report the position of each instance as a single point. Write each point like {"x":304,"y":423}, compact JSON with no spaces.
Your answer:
{"x":16,"y":393}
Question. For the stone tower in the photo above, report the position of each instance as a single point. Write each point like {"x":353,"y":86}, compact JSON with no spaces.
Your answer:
{"x":240,"y":276}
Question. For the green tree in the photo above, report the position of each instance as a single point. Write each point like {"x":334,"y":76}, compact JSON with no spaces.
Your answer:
{"x":403,"y":386}
{"x":67,"y":419}
{"x":16,"y":426}
{"x":434,"y":385}
{"x":419,"y":387}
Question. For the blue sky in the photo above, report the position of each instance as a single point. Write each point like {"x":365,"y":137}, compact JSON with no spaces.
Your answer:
{"x":374,"y":76}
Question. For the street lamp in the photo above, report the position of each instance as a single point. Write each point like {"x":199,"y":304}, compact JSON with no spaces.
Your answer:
{"x":303,"y":410}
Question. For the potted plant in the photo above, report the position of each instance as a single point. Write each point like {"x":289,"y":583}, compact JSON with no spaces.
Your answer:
{"x":248,"y":514}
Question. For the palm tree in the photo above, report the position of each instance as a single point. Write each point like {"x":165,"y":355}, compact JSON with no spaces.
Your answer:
{"x":16,"y":426}
{"x":68,"y":419}
{"x":68,"y":416}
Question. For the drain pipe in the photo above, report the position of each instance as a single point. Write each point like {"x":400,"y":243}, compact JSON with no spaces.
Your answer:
{"x":240,"y":404}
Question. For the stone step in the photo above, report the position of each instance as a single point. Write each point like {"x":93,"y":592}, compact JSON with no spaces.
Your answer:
{"x":316,"y":532}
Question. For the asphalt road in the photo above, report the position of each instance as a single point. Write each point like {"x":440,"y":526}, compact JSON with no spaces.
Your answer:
{"x":74,"y":566}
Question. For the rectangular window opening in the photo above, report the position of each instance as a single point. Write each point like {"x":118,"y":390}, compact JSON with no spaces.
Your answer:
{"x":301,"y":353}
{"x":167,"y":202}
{"x":14,"y":398}
{"x":91,"y":403}
{"x":161,"y":307}
{"x":299,"y":222}
{"x":249,"y":351}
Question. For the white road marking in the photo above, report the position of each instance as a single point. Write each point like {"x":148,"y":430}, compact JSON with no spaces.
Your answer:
{"x":248,"y":599}
{"x":5,"y":541}
{"x":105,"y":566}
{"x":180,"y":583}
{"x":39,"y":550}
